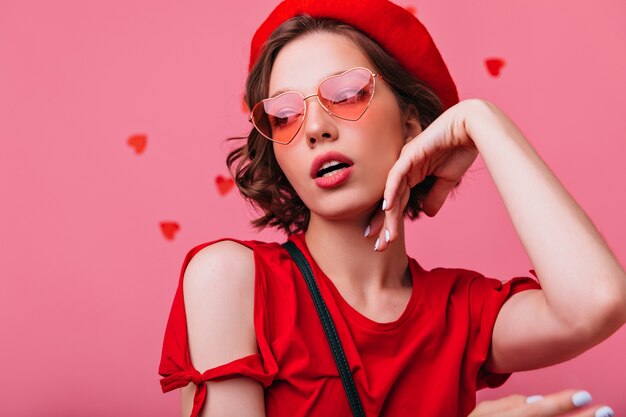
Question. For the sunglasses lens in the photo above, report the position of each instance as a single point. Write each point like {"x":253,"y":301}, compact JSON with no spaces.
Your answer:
{"x":348,"y":95}
{"x":279,"y":118}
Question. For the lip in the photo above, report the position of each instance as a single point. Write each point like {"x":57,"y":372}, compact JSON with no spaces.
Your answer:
{"x":336,"y":179}
{"x":328,"y":156}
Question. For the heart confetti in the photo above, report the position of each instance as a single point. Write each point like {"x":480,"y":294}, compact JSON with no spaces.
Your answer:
{"x":494,"y":65}
{"x":224,"y":185}
{"x":138,"y":142}
{"x":169,"y":229}
{"x":412,"y":10}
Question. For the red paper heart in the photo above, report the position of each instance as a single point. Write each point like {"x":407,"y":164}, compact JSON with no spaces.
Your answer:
{"x":494,"y":65}
{"x":169,"y":229}
{"x":138,"y":142}
{"x":224,"y":185}
{"x":412,"y":10}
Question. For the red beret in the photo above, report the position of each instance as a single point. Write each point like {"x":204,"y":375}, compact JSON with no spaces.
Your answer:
{"x":396,"y":29}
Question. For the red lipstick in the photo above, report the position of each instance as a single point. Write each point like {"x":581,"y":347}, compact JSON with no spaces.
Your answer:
{"x":335,"y":177}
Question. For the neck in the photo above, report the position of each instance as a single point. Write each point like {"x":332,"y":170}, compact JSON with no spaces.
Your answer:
{"x":348,"y":258}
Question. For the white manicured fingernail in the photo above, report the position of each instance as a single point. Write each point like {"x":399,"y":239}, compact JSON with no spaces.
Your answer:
{"x":376,"y":245}
{"x":387,"y":235}
{"x":367,"y":231}
{"x":581,"y":398}
{"x":534,"y":399}
{"x":604,"y":412}
{"x":384,"y":204}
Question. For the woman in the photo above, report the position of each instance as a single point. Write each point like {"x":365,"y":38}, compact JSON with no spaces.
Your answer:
{"x":358,"y":124}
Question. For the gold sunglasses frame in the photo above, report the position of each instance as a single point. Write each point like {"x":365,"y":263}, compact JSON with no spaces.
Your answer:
{"x":305,"y":98}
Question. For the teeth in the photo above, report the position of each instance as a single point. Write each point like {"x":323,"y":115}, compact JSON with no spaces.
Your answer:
{"x":328,"y":174}
{"x":329,"y":164}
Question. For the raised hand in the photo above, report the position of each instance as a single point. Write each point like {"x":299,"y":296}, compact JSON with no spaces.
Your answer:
{"x":444,"y":150}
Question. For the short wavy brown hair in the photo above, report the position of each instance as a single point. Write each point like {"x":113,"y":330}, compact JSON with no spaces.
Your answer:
{"x":256,"y":172}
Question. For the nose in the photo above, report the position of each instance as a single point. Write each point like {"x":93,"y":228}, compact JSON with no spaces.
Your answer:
{"x":319,"y":123}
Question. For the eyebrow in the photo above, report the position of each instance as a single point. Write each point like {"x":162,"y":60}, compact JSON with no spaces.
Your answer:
{"x":284,"y":90}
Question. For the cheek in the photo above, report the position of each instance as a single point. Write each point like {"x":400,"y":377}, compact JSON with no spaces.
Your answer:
{"x":382,"y":137}
{"x":385,"y":134}
{"x":287,"y":162}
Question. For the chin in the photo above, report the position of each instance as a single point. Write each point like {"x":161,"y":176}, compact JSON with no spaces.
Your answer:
{"x":350,"y":209}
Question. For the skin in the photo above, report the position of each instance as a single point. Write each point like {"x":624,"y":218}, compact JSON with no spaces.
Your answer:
{"x":378,"y":286}
{"x":583,"y":286}
{"x":555,"y":404}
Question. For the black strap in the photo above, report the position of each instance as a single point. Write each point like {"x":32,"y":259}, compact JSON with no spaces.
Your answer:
{"x":329,"y":329}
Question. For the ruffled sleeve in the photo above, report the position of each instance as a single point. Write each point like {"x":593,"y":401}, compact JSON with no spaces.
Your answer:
{"x":176,"y":368}
{"x":487,"y":295}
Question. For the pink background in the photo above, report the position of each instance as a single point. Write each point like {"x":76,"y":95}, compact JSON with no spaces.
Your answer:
{"x":87,"y":274}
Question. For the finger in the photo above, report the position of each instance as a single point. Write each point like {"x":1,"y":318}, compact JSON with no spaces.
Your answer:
{"x":375,"y":224}
{"x":551,"y":405}
{"x":554,"y":404}
{"x":394,"y":217}
{"x":437,"y":196}
{"x":409,"y":166}
{"x":419,"y":155}
{"x":494,"y":407}
{"x":595,"y":411}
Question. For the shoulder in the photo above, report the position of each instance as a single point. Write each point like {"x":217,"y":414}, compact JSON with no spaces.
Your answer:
{"x":218,"y":290}
{"x":455,"y":279}
{"x":476,"y":284}
{"x":225,"y":267}
{"x":228,"y":255}
{"x":234,"y":259}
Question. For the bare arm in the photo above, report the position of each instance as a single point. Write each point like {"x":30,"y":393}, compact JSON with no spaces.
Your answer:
{"x":218,"y":288}
{"x":583,"y":296}
{"x":584,"y":287}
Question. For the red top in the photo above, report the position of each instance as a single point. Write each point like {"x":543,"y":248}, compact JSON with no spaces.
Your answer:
{"x":427,"y":362}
